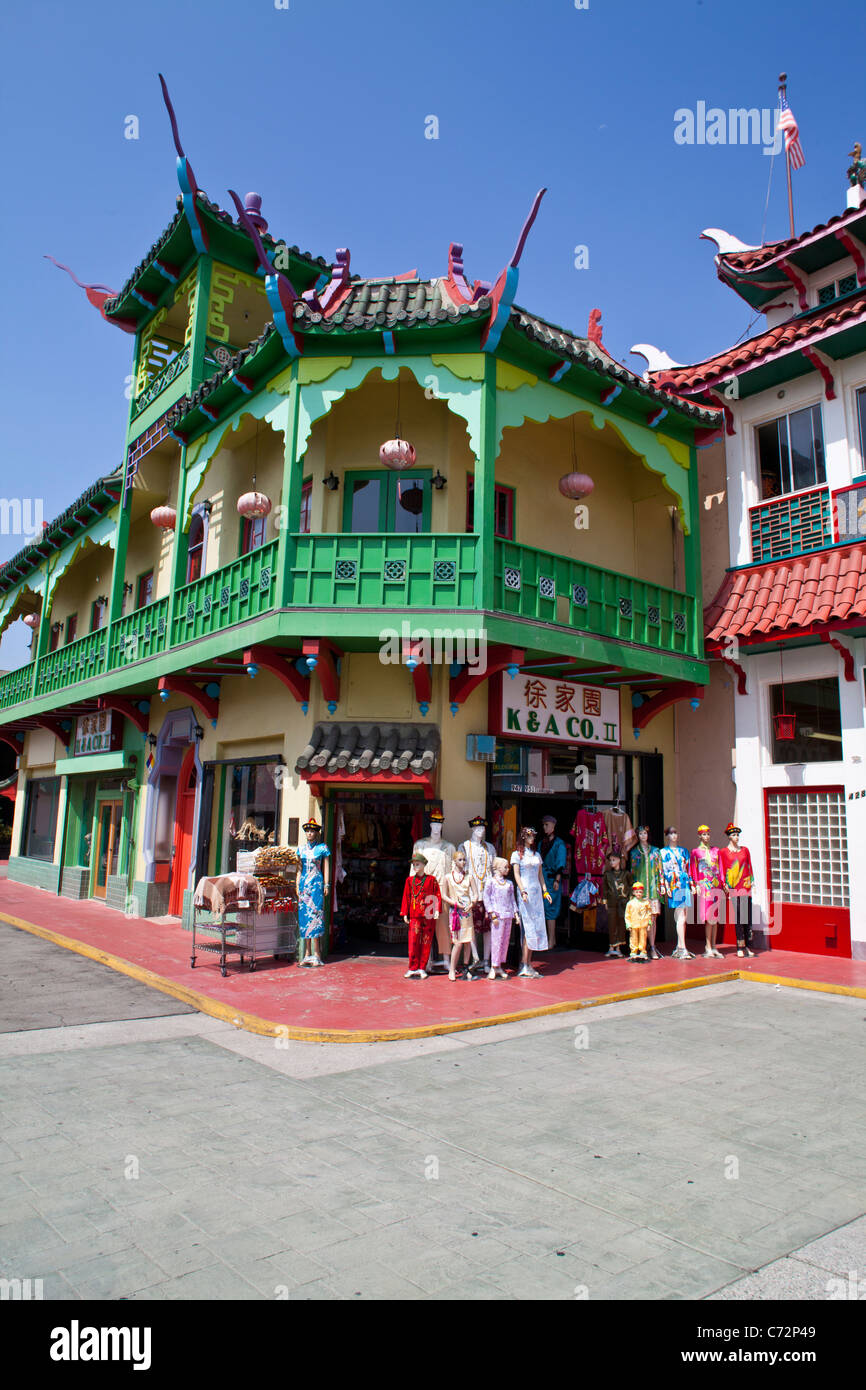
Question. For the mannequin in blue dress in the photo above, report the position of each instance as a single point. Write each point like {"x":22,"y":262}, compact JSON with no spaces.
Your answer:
{"x":554,"y":858}
{"x":312,"y":886}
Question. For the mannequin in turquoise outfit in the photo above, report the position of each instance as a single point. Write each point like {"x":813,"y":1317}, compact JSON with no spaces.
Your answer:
{"x":312,"y":888}
{"x":554,"y":858}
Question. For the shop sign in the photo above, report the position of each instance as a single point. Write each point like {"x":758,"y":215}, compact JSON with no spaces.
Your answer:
{"x":559,"y":711}
{"x":92,"y":733}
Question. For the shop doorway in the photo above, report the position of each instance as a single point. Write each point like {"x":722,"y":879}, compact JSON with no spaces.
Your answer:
{"x":108,"y":822}
{"x":371,"y":833}
{"x":181,"y":852}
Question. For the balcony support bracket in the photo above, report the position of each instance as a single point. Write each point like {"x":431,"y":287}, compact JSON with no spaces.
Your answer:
{"x":847,"y":658}
{"x":208,"y":704}
{"x":138,"y":717}
{"x":54,"y":727}
{"x":14,"y":742}
{"x":281,"y":664}
{"x":664,"y":698}
{"x":499,"y":658}
{"x":324,"y":662}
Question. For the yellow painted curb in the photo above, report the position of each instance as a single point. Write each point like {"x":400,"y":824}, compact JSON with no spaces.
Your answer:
{"x":251,"y":1023}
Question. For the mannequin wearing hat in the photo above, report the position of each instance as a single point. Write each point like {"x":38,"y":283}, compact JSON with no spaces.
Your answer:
{"x":438,"y":853}
{"x":421,"y":905}
{"x":311,"y":886}
{"x":645,"y":866}
{"x":638,"y":919}
{"x":480,"y":854}
{"x":554,"y":858}
{"x":709,"y":895}
{"x":735,"y":863}
{"x":677,"y":888}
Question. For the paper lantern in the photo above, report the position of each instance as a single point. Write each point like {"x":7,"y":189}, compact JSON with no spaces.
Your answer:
{"x":166,"y":517}
{"x":32,"y":620}
{"x":576,"y":485}
{"x":397,"y":453}
{"x":785,"y":726}
{"x":254,"y":504}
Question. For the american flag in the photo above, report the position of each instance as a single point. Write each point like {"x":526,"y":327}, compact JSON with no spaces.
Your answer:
{"x":788,"y":123}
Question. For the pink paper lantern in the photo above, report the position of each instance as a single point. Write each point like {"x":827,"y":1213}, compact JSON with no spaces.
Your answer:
{"x":32,"y":620}
{"x":254,"y":504}
{"x":165,"y":517}
{"x":576,"y":485}
{"x":397,"y":453}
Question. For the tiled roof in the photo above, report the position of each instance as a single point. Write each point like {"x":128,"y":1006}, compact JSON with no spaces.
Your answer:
{"x":784,"y":337}
{"x":373,"y":748}
{"x":99,"y":497}
{"x":389,"y":303}
{"x":762,"y":601}
{"x":750,"y":260}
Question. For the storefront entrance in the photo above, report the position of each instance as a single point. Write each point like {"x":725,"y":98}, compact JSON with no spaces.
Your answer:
{"x":182,"y":844}
{"x":371,"y":833}
{"x":108,"y":823}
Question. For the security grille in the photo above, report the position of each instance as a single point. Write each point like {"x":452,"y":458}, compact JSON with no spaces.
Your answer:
{"x":808,"y":847}
{"x":512,"y":578}
{"x":546,"y":586}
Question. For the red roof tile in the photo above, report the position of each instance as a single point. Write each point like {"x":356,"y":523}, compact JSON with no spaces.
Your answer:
{"x":775,"y":341}
{"x":789,"y":595}
{"x":749,"y":260}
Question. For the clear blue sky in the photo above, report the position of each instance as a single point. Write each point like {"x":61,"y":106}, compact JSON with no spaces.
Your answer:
{"x":321,"y":108}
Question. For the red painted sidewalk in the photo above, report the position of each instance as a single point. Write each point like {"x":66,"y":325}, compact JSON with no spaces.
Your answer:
{"x":367,"y":996}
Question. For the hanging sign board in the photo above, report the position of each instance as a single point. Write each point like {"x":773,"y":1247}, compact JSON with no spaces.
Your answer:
{"x":558,"y":711}
{"x":93,"y":733}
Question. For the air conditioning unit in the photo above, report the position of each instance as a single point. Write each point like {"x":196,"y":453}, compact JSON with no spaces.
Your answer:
{"x":480,"y":748}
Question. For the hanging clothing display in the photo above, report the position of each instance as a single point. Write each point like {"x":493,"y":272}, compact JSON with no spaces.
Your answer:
{"x":590,"y":843}
{"x":509,"y":831}
{"x":311,"y":889}
{"x":620,"y":832}
{"x":706,"y":874}
{"x":339,"y":871}
{"x":554,"y":857}
{"x":645,"y":866}
{"x":532,"y":911}
{"x":676,"y":884}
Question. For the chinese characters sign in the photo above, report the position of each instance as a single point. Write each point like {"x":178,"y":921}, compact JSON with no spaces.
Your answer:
{"x":558,"y":710}
{"x":93,"y":733}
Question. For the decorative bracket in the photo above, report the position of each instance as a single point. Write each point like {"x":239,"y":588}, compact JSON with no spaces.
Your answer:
{"x":847,"y":658}
{"x":340,"y":283}
{"x":788,"y":270}
{"x":821,"y":363}
{"x":207,"y":703}
{"x":421,"y":677}
{"x":54,"y":727}
{"x":14,"y":742}
{"x":140,"y":718}
{"x":664,"y":698}
{"x":721,"y":404}
{"x":499,"y":658}
{"x":738,"y":672}
{"x":321,"y":657}
{"x":856,"y":250}
{"x":281,"y":664}
{"x":503,"y":292}
{"x":281,"y":293}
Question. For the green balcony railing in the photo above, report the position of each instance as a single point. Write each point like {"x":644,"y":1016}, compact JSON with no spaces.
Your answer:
{"x":241,"y":590}
{"x":558,"y":589}
{"x":384,"y":571}
{"x":76,"y":662}
{"x":138,"y":635}
{"x":15,"y":686}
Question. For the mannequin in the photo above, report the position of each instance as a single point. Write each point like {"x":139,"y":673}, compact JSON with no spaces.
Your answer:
{"x":532,"y":899}
{"x":644,"y":864}
{"x":458,"y":895}
{"x":677,"y":888}
{"x":438,"y":853}
{"x":311,"y":886}
{"x":617,"y":891}
{"x":638,"y":917}
{"x":735,"y":863}
{"x":706,"y":876}
{"x":421,"y":905}
{"x":502,"y":909}
{"x":480,"y":855}
{"x":554,"y":857}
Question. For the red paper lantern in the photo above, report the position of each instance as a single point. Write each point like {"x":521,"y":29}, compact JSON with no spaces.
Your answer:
{"x":785,"y":726}
{"x":166,"y":517}
{"x":32,"y":620}
{"x":397,"y":453}
{"x":576,"y":485}
{"x":254,"y":504}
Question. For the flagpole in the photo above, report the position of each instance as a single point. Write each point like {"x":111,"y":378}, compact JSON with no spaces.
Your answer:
{"x":783,"y":79}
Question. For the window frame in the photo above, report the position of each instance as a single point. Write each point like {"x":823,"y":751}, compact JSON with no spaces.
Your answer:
{"x":71,"y":629}
{"x":773,"y":744}
{"x":388,"y":498}
{"x":145,"y":574}
{"x":248,"y":523}
{"x":198,"y":514}
{"x":26,"y":829}
{"x":499,"y":490}
{"x":758,"y":425}
{"x":100,"y":610}
{"x":306,"y":497}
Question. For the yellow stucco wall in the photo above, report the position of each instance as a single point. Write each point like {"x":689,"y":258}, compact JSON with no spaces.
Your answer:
{"x":245,"y":454}
{"x":88,"y":576}
{"x":148,"y":548}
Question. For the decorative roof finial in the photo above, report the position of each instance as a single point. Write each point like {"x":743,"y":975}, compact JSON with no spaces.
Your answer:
{"x":593,"y":330}
{"x":282,"y":295}
{"x":97,"y":295}
{"x":253,"y":208}
{"x":186,"y":178}
{"x":857,"y":171}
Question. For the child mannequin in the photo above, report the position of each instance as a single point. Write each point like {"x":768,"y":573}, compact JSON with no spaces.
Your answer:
{"x":617,"y":890}
{"x":638,"y":919}
{"x":421,"y":905}
{"x":502,"y":909}
{"x":460,"y":895}
{"x":645,"y":865}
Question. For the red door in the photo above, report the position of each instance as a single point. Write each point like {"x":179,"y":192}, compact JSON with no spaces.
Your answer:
{"x":183,"y":823}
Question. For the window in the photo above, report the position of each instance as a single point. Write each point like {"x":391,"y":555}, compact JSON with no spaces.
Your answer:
{"x":252,"y":533}
{"x":71,"y":628}
{"x":836,"y":288}
{"x":306,"y":505}
{"x":791,"y":452}
{"x":808,"y":847}
{"x":251,"y":807}
{"x":503,"y":509}
{"x":40,"y":818}
{"x":387,"y":502}
{"x":817,"y":730}
{"x":98,"y":614}
{"x":144,"y":595}
{"x":195,"y":548}
{"x":54,"y":640}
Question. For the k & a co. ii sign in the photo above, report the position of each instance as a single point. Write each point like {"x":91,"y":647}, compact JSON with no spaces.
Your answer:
{"x":535,"y":707}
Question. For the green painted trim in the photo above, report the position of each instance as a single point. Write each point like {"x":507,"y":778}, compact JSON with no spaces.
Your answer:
{"x":200,"y":316}
{"x":220,"y":850}
{"x":484,"y":487}
{"x":692,"y":557}
{"x":266,"y":405}
{"x":290,"y":491}
{"x":93,"y":765}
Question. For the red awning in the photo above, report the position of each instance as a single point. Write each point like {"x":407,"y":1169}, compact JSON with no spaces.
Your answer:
{"x":788,"y":597}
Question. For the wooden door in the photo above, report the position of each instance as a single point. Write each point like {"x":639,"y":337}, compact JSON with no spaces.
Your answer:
{"x":107,"y":844}
{"x":183,"y":823}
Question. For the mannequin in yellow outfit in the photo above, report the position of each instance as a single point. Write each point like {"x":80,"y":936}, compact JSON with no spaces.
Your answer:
{"x":638,"y":919}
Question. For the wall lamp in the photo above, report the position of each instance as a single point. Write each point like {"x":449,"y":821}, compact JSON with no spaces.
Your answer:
{"x":198,"y":732}
{"x":207,"y":506}
{"x":152,"y":740}
{"x":332,"y":482}
{"x":127,"y":588}
{"x":438,"y":481}
{"x":56,"y":627}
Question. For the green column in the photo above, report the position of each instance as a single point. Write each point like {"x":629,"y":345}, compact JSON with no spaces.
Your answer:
{"x":179,"y":550}
{"x":692,"y":558}
{"x":290,"y":497}
{"x":118,"y":572}
{"x":199,"y":322}
{"x":484,"y":487}
{"x":43,"y":633}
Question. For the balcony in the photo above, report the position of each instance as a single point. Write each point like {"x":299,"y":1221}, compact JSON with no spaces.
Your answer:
{"x":161,"y":383}
{"x":794,"y":525}
{"x":351,"y":573}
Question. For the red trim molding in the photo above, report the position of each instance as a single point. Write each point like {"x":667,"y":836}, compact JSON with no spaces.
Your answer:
{"x":208,"y":704}
{"x":498,"y":659}
{"x":669,"y":695}
{"x":738,"y":671}
{"x":847,"y":658}
{"x":281,"y":664}
{"x":125,"y":707}
{"x":324,"y":655}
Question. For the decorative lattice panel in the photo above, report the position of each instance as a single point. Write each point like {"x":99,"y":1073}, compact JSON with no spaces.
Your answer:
{"x":653,"y":616}
{"x":579,"y":596}
{"x":512,"y":578}
{"x":625,"y":607}
{"x":395,"y":571}
{"x":679,"y":622}
{"x":547,"y":586}
{"x":791,"y":525}
{"x":445,"y":571}
{"x":346,"y":569}
{"x":808,"y":848}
